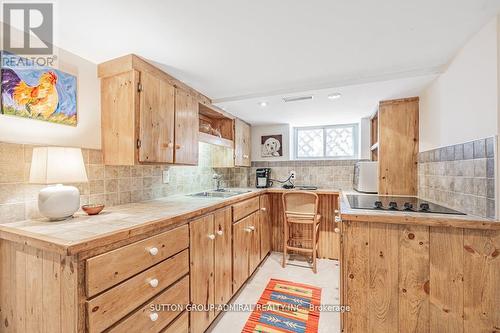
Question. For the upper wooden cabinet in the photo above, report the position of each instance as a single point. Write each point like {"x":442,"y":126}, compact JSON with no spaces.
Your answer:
{"x":396,"y":147}
{"x":242,"y":144}
{"x":147,"y":115}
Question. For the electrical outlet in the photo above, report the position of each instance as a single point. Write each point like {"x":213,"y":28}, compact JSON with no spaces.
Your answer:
{"x":166,"y":176}
{"x":292,"y":175}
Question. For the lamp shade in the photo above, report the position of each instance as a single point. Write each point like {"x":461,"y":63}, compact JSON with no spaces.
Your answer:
{"x":57,"y":165}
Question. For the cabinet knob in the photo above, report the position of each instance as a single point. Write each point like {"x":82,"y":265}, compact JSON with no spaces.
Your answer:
{"x":153,"y":316}
{"x":220,"y":232}
{"x":153,"y":283}
{"x":245,"y":156}
{"x":211,"y":236}
{"x":338,"y":219}
{"x":153,"y":251}
{"x":337,"y":230}
{"x":247,"y":230}
{"x":252,"y":228}
{"x":263,"y":209}
{"x":177,"y":146}
{"x":336,"y":211}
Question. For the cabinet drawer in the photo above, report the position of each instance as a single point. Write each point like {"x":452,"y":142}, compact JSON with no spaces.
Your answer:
{"x":245,"y":208}
{"x":112,"y":305}
{"x":142,"y":319}
{"x":180,"y":325}
{"x":111,"y":268}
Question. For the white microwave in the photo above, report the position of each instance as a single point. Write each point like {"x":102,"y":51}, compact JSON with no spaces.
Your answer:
{"x":366,"y":177}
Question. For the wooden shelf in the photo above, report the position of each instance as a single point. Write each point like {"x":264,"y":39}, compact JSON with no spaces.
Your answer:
{"x":215,"y":140}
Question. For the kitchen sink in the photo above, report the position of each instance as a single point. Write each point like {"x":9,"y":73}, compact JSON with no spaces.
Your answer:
{"x":217,"y":194}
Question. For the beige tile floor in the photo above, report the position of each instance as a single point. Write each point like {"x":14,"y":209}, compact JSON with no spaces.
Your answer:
{"x":298,"y":271}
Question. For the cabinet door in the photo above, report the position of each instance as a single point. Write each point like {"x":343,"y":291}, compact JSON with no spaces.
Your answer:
{"x":156,"y":120}
{"x":202,"y":270}
{"x":223,"y":256}
{"x":265,"y":225}
{"x":241,"y":254}
{"x":186,"y":128}
{"x":254,"y":252}
{"x":241,"y":143}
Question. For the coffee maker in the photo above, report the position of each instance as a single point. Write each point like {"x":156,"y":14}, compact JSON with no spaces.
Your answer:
{"x":263,"y":178}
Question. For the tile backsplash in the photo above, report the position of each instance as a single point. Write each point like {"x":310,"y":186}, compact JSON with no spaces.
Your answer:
{"x":337,"y":174}
{"x":111,"y":185}
{"x":460,"y":176}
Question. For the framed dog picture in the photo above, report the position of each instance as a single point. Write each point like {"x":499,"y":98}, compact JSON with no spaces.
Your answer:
{"x":272,"y":145}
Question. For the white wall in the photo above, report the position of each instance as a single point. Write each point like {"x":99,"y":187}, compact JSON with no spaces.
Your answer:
{"x":87,"y":134}
{"x":258,"y":131}
{"x":364,"y":138}
{"x":462,"y":104}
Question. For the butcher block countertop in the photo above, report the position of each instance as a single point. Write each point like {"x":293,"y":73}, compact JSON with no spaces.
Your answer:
{"x":124,"y":222}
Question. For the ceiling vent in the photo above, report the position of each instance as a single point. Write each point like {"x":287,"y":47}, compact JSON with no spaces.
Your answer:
{"x":296,"y":99}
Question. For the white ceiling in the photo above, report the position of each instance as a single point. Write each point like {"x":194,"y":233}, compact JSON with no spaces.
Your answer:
{"x":357,"y":101}
{"x":239,"y":49}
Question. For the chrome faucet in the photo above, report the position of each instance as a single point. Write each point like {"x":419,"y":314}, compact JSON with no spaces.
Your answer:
{"x":218,"y":182}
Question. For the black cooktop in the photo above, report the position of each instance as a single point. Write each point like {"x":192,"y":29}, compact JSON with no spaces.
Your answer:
{"x":408,"y":204}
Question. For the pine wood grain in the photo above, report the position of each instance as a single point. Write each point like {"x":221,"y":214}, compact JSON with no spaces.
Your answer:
{"x":223,"y":256}
{"x":245,"y":208}
{"x":179,"y":325}
{"x":265,"y":225}
{"x":242,"y":143}
{"x":186,"y":128}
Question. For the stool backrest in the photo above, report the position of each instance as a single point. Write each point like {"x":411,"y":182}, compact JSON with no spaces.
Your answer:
{"x":300,"y":206}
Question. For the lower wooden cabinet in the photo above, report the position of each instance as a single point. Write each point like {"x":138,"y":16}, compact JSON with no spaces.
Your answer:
{"x":265,"y":225}
{"x":210,"y":265}
{"x":246,"y":248}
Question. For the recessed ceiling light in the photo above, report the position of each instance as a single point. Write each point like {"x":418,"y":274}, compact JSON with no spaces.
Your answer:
{"x":263,"y":104}
{"x":334,"y":96}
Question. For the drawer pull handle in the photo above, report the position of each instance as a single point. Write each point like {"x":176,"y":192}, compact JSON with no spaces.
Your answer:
{"x":153,"y":251}
{"x":337,"y":230}
{"x":211,"y":236}
{"x":252,"y":228}
{"x":153,"y":283}
{"x":153,"y":316}
{"x":220,"y":232}
{"x":263,"y":209}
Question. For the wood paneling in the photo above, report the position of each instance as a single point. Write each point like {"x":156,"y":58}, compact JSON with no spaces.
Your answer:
{"x":223,"y":256}
{"x":140,"y":320}
{"x":118,"y":100}
{"x":112,"y":305}
{"x":265,"y":225}
{"x":156,"y":120}
{"x":202,"y":270}
{"x":413,"y":279}
{"x":398,"y":146}
{"x":241,"y":252}
{"x":179,"y":325}
{"x":329,"y":240}
{"x":481,"y":281}
{"x":242,"y":144}
{"x":254,"y":225}
{"x":186,"y":128}
{"x":37,"y":290}
{"x":401,"y":278}
{"x":110,"y":268}
{"x":245,"y":208}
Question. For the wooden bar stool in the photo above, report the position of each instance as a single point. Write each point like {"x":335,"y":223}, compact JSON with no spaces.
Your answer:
{"x":301,"y":210}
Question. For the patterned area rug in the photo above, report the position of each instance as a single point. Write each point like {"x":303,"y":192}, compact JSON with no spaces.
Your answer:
{"x":286,"y":307}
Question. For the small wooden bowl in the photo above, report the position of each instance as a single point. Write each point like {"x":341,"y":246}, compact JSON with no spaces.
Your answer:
{"x":92,"y":209}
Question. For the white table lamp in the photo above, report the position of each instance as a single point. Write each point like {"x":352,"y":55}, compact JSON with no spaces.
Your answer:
{"x":58,"y":165}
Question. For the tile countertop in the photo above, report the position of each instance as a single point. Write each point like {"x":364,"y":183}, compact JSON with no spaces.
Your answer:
{"x":83,"y":233}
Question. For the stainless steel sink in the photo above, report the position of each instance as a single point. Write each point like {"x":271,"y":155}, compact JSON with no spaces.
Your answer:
{"x":217,"y":194}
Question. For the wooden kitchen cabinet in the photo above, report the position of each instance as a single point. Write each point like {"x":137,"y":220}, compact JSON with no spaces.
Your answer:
{"x":210,"y":265}
{"x":265,"y":225}
{"x":242,"y":143}
{"x":186,"y":128}
{"x":147,"y":115}
{"x":246,"y":249}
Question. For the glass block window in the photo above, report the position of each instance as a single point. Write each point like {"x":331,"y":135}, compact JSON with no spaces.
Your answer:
{"x":336,"y":141}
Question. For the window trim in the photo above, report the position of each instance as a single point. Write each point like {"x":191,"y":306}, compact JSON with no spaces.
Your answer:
{"x":355,"y":134}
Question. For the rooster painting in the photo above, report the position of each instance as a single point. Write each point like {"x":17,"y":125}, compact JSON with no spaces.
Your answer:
{"x":39,"y":93}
